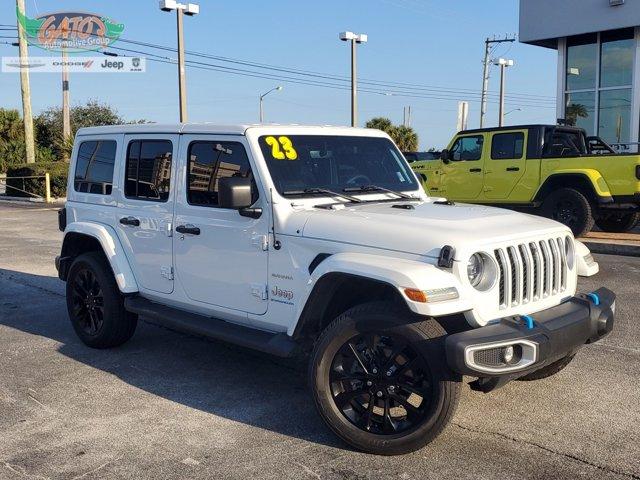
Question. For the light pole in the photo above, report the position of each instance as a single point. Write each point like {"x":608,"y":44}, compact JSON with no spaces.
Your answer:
{"x":354,"y":39}
{"x":514,"y":110}
{"x":190,"y":9}
{"x":278,"y":88}
{"x":503,"y":63}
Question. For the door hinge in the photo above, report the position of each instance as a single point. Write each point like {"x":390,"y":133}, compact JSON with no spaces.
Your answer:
{"x":261,"y":242}
{"x":260,"y":291}
{"x":166,"y":272}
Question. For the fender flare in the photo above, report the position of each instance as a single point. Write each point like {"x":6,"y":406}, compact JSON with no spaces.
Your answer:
{"x":112,"y":249}
{"x":592,"y":176}
{"x":398,"y":273}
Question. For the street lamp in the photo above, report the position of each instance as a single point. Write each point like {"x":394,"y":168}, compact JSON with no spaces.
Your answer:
{"x":503,"y":63}
{"x":354,"y":39}
{"x":278,"y":88}
{"x":190,"y":9}
{"x":514,"y":110}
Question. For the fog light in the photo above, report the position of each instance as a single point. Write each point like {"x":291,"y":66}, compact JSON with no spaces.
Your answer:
{"x":508,"y":354}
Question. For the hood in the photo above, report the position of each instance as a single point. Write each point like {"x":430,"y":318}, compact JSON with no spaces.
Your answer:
{"x":427,"y":227}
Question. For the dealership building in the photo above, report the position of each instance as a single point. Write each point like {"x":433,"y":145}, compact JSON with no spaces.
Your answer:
{"x":598,"y":45}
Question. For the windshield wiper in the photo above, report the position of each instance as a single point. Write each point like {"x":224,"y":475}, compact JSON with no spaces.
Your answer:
{"x":324,"y":191}
{"x":376,"y":188}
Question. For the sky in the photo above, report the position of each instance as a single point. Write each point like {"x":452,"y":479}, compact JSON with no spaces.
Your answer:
{"x":435,"y":47}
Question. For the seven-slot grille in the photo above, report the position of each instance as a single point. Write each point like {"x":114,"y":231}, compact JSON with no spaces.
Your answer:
{"x":529,"y":272}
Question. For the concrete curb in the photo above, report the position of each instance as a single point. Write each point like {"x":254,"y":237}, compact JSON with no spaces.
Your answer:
{"x":609,"y":248}
{"x":31,"y":200}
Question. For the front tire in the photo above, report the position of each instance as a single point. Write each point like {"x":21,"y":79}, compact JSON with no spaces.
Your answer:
{"x":617,"y":222}
{"x":570,"y":207}
{"x":379,"y":379}
{"x":95,"y":305}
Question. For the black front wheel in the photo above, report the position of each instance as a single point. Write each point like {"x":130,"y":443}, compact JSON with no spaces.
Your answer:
{"x":379,"y":381}
{"x":618,"y":222}
{"x":95,"y":305}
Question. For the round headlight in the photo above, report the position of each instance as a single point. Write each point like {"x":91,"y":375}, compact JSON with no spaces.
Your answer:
{"x":475,"y":269}
{"x":570,"y":252}
{"x":482,"y":271}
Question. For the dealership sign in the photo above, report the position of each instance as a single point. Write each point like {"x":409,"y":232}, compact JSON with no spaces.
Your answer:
{"x":74,"y":64}
{"x":70,"y":31}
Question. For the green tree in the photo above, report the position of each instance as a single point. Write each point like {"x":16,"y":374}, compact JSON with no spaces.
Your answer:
{"x":405,"y":137}
{"x":12,"y":146}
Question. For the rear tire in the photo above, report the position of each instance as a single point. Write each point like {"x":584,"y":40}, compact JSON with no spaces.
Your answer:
{"x":95,"y":304}
{"x":570,"y":207}
{"x":549,"y":370}
{"x":380,"y":381}
{"x":617,"y":222}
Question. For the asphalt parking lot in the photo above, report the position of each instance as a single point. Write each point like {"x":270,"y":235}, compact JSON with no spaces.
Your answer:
{"x":168,"y":405}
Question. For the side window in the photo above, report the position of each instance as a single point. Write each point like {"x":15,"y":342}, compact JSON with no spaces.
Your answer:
{"x":148,"y":170}
{"x":467,"y":148}
{"x":507,"y":146}
{"x":94,"y":167}
{"x":210,"y":161}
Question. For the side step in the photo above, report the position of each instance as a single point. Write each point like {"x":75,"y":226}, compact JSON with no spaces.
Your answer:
{"x":279,"y":344}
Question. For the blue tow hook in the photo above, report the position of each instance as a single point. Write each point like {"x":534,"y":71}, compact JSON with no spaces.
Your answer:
{"x":528,"y":321}
{"x":595,"y":298}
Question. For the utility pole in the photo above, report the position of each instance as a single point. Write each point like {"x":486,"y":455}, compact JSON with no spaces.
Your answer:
{"x":503,"y":63}
{"x":66,"y":113}
{"x":406,"y":116}
{"x":485,"y":72}
{"x":25,"y":89}
{"x":354,"y":39}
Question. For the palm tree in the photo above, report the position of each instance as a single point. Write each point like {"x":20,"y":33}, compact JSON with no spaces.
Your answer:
{"x":575,"y":111}
{"x":381,"y":123}
{"x":406,"y":138}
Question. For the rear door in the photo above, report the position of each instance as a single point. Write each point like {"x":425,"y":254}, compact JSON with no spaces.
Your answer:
{"x":462,"y":175}
{"x":505,"y":163}
{"x":144,"y":220}
{"x":222,"y":259}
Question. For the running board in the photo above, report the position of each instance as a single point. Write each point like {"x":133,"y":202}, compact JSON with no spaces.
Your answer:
{"x":279,"y":344}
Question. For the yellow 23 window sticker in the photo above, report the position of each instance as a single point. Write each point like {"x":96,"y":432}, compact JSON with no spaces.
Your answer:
{"x":281,"y":148}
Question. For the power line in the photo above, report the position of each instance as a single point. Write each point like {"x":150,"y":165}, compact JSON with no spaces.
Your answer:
{"x":398,"y":86}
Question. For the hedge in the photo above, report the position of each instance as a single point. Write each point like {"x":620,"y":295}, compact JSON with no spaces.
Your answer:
{"x":57,"y":172}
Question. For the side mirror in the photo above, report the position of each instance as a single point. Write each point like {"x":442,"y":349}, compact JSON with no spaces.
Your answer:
{"x":235,"y":193}
{"x":445,"y":156}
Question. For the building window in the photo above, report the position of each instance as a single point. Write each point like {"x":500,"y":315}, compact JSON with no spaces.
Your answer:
{"x":148,"y":170}
{"x":94,"y":167}
{"x":599,"y":81}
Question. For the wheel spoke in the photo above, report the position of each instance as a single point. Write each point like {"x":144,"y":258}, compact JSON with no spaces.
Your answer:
{"x":344,"y":398}
{"x":394,"y":354}
{"x":411,"y":389}
{"x":368,"y":416}
{"x":358,"y":358}
{"x":387,"y":423}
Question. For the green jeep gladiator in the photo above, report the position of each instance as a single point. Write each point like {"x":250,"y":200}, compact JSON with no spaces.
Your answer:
{"x":556,"y":171}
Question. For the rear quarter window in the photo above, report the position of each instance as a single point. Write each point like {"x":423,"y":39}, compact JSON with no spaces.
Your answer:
{"x":94,"y":167}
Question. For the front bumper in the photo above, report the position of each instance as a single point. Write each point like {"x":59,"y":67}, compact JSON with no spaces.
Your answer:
{"x":536,"y":340}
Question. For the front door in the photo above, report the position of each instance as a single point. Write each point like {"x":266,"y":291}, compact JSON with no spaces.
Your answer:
{"x":505,"y":164}
{"x":462,"y":175}
{"x":145,"y":215}
{"x":221,"y":256}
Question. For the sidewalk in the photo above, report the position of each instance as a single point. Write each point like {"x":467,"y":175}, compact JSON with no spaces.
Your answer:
{"x":614,"y":243}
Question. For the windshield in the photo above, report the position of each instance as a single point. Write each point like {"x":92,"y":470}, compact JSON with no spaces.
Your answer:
{"x":300,"y":164}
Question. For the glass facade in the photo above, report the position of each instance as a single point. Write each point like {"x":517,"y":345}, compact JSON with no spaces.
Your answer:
{"x":599,"y":84}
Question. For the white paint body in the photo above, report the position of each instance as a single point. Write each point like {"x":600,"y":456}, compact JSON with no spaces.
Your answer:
{"x":231,"y":270}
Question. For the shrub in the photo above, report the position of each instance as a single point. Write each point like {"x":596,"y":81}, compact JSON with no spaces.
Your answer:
{"x":57,"y":172}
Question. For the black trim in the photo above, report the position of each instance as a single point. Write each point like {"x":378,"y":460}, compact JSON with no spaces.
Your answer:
{"x":62,"y":265}
{"x":445,"y":259}
{"x":558,"y":331}
{"x":321,"y":257}
{"x":62,"y":219}
{"x":279,"y":344}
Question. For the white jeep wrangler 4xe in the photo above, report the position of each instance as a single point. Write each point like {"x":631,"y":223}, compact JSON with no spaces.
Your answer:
{"x":320,"y":240}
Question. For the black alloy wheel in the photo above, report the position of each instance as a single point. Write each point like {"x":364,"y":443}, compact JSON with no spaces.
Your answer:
{"x":570,"y":207}
{"x":381,"y":384}
{"x":88,"y":302}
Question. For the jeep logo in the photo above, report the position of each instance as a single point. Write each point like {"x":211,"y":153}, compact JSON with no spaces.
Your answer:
{"x":114,"y":65}
{"x":278,"y":292}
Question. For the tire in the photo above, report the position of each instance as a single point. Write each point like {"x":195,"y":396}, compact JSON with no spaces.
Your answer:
{"x":391,"y":424}
{"x":618,"y":223}
{"x":570,"y":207}
{"x":95,"y":305}
{"x":549,"y":370}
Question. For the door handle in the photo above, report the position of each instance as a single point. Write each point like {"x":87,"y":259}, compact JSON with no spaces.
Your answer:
{"x":131,"y":221}
{"x":513,"y":169}
{"x":189,"y":229}
{"x":475,"y":170}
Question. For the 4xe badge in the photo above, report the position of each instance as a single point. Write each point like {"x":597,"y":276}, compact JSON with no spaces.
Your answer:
{"x":70,"y":31}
